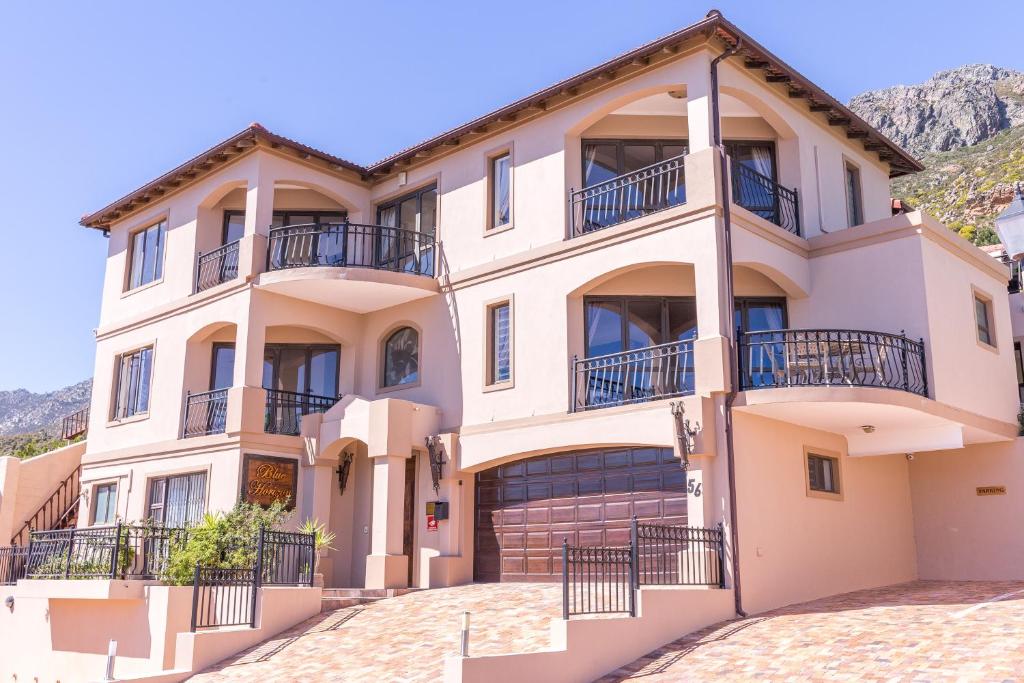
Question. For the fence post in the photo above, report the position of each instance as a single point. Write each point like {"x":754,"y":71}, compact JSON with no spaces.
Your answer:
{"x":195,"y":598}
{"x":313,"y":558}
{"x":116,"y":551}
{"x":71,"y":543}
{"x":573,"y":381}
{"x":796,"y":210}
{"x":634,"y":565}
{"x":721,"y":555}
{"x":28,"y":557}
{"x":257,"y":578}
{"x":572,"y":214}
{"x":565,"y":578}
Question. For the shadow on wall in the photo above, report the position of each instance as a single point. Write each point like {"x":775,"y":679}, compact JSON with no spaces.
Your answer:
{"x":77,"y":632}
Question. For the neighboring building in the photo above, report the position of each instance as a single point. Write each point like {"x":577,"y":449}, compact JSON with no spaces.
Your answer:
{"x":530,"y":293}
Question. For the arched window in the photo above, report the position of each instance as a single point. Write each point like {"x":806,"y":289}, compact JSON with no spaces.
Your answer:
{"x":402,"y":357}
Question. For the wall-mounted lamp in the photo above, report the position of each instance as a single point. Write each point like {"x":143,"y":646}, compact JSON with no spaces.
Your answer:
{"x":436,"y":454}
{"x":684,"y":432}
{"x":344,"y":469}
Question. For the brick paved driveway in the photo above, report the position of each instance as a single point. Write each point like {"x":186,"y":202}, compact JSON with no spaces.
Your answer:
{"x":921,"y":631}
{"x":399,"y":639}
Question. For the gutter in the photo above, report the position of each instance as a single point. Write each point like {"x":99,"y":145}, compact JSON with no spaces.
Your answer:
{"x":730,"y":306}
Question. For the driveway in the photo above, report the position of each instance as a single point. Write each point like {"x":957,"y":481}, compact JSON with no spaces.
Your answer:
{"x":920,"y":631}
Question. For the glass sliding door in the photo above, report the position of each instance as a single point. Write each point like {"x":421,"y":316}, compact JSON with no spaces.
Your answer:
{"x":755,"y":191}
{"x":763,"y":356}
{"x":299,"y":379}
{"x":410,"y":247}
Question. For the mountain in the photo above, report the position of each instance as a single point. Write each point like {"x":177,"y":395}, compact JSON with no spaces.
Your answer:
{"x":23,"y":412}
{"x":966,"y":126}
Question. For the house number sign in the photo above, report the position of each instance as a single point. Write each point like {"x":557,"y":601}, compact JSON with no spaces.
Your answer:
{"x":991,"y":490}
{"x":266,"y":479}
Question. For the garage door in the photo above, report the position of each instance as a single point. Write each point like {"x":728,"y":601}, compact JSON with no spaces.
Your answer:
{"x":524,"y":509}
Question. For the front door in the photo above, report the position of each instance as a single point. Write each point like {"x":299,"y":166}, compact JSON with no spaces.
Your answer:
{"x":409,"y":524}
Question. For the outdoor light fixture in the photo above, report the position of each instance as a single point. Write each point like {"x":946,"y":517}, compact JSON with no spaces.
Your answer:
{"x":436,"y":454}
{"x":343,"y":471}
{"x":684,"y":432}
{"x":868,"y":429}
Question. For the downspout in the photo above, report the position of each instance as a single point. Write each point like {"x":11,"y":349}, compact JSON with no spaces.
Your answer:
{"x":730,"y":305}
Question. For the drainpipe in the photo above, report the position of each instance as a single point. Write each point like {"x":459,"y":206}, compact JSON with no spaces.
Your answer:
{"x":730,"y":305}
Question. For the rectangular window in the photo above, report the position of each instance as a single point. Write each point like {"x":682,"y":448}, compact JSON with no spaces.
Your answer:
{"x":501,"y":190}
{"x":301,"y":369}
{"x":104,"y":503}
{"x":147,"y":255}
{"x":234,"y":226}
{"x":133,"y":379}
{"x":983,"y":318}
{"x":615,"y":324}
{"x":822,"y":473}
{"x":499,"y":335}
{"x":1020,"y":370}
{"x":178,"y":501}
{"x":854,"y":205}
{"x":222,"y":370}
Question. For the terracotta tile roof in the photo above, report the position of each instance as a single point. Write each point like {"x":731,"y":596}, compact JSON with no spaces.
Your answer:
{"x":713,"y":26}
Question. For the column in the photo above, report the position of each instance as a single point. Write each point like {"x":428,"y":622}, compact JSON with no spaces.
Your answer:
{"x":259,"y":212}
{"x":386,"y":565}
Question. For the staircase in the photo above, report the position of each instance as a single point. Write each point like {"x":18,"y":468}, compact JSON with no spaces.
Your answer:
{"x":59,"y":511}
{"x":339,"y":598}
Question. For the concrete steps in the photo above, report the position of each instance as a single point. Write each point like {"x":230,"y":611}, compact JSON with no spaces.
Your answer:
{"x":339,"y":598}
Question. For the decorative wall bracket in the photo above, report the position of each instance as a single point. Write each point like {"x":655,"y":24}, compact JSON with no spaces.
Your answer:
{"x":685,"y":434}
{"x":435,"y":452}
{"x":344,"y":469}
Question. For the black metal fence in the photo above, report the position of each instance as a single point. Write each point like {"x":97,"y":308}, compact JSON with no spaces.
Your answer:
{"x":351,"y":245}
{"x":785,"y":358}
{"x":224,"y":597}
{"x":108,"y":552}
{"x":217,"y":266}
{"x":653,"y":188}
{"x":75,"y":424}
{"x":13,"y":560}
{"x":205,"y":413}
{"x":677,"y":555}
{"x":763,"y":196}
{"x":285,"y":410}
{"x":287,"y":558}
{"x":635,"y":376}
{"x":602,"y":580}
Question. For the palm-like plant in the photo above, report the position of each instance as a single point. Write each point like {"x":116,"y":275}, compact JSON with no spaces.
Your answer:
{"x":322,"y":536}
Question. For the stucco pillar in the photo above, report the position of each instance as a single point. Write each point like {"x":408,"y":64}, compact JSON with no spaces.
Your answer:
{"x":8,"y":495}
{"x":386,"y":565}
{"x":250,"y":339}
{"x":259,"y":212}
{"x":698,"y":103}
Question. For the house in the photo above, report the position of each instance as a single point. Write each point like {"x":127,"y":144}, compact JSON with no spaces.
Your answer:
{"x":685,"y":255}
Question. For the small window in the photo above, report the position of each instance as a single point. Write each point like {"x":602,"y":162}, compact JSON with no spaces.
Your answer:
{"x":501,"y":190}
{"x":104,"y":503}
{"x":822,"y":473}
{"x":234,"y":226}
{"x":133,"y":379}
{"x":147,"y":258}
{"x":983,"y":318}
{"x":854,"y":205}
{"x":401,"y":358}
{"x":499,"y":341}
{"x":178,"y":501}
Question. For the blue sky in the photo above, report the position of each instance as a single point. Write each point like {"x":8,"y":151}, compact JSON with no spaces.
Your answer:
{"x":98,"y":98}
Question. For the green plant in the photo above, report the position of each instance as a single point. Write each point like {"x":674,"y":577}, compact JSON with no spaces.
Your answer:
{"x":1020,"y":421}
{"x":322,"y":536}
{"x":223,"y":540}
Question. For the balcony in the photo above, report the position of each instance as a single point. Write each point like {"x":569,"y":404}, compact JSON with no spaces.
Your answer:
{"x":217,"y":266}
{"x":205,"y":413}
{"x":367,"y":267}
{"x":285,"y":410}
{"x":647,"y":190}
{"x":764,"y":197}
{"x":635,"y":376}
{"x":75,"y":425}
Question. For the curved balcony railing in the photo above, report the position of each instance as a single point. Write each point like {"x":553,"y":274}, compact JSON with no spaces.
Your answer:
{"x":794,"y":358}
{"x":351,"y":245}
{"x":634,"y":376}
{"x":217,"y":266}
{"x":205,"y":413}
{"x":646,"y":190}
{"x":285,"y":410}
{"x":763,"y":196}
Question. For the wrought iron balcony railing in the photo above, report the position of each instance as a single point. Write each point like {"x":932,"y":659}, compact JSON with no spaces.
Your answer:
{"x":205,"y":413}
{"x":635,"y":376}
{"x":791,"y":358}
{"x":352,"y":245}
{"x":649,"y":189}
{"x":763,"y":196}
{"x":74,"y":425}
{"x":285,"y":410}
{"x":217,"y":266}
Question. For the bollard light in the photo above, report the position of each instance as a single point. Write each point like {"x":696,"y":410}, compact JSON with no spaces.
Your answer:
{"x":464,"y":650}
{"x":111,"y":654}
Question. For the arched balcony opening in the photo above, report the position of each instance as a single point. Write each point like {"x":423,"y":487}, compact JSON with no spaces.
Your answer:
{"x":209,"y":374}
{"x":632,"y":335}
{"x":220,"y":224}
{"x":301,"y":375}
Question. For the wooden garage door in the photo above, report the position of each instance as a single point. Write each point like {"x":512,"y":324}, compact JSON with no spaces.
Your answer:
{"x":524,"y":509}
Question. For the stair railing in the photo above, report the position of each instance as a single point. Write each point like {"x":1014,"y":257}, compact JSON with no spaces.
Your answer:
{"x":55,"y":511}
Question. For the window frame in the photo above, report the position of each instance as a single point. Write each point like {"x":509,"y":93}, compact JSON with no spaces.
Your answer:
{"x":95,"y":497}
{"x":623,"y":300}
{"x":491,"y":227}
{"x":166,"y":479}
{"x":382,"y":361}
{"x":308,"y":349}
{"x":490,"y":348}
{"x":161,"y":259}
{"x":979,"y":296}
{"x":835,"y":458}
{"x":741,"y":305}
{"x":857,"y":201}
{"x":215,"y":347}
{"x":620,"y":153}
{"x":115,"y":417}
